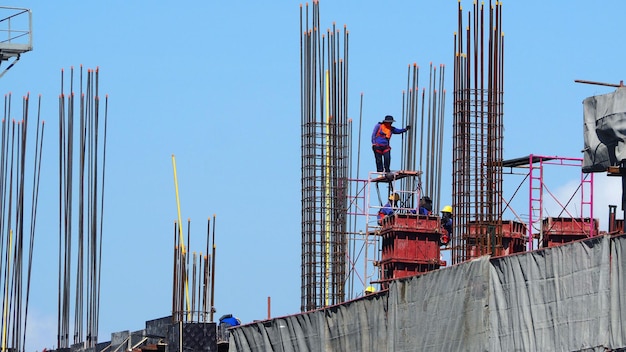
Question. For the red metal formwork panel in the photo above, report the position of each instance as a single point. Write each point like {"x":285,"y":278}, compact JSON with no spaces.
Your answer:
{"x":509,"y":229}
{"x":399,"y":273}
{"x":476,"y":230}
{"x":619,"y":226}
{"x":568,"y":226}
{"x":411,"y":247}
{"x":512,"y":245}
{"x":557,"y":231}
{"x":474,"y":251}
{"x":397,"y":270}
{"x":513,"y":229}
{"x":413,"y":222}
{"x":557,"y":240}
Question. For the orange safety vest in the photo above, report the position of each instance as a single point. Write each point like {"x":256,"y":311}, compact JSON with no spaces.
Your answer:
{"x":385,"y":132}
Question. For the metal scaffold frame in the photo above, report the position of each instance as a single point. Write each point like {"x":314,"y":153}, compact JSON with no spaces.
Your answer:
{"x":365,"y":245}
{"x":16,"y":34}
{"x":538,"y":186}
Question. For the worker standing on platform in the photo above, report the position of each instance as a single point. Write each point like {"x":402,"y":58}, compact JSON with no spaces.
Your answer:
{"x":389,"y":208}
{"x":380,"y":142}
{"x":446,"y":223}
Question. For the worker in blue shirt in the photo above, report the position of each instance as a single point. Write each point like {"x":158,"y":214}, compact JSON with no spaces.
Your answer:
{"x":426,"y":206}
{"x":227,"y":321}
{"x":388,"y":209}
{"x":230,"y":320}
{"x":446,"y":223}
{"x":380,"y":142}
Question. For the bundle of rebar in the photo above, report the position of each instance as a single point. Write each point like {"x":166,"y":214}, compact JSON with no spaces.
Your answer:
{"x":325,"y":159}
{"x":477,"y":133}
{"x":422,"y":149}
{"x":81,"y":225}
{"x":17,"y":237}
{"x":193,"y":283}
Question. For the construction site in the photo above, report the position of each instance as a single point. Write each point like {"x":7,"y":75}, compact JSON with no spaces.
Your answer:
{"x":383,"y":268}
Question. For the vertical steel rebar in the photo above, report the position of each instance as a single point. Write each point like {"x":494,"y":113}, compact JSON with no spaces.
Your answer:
{"x":477,"y":135}
{"x":325,"y":155}
{"x":88,"y":228}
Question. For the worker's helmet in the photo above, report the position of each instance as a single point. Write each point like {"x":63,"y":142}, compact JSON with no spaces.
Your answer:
{"x":394,"y":196}
{"x":447,"y":209}
{"x":370,"y":289}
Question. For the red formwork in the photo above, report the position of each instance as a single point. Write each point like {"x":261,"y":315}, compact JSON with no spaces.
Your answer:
{"x":511,"y":245}
{"x":512,"y":233}
{"x":475,"y":250}
{"x":413,"y":222}
{"x":513,"y":237}
{"x":410,"y":245}
{"x":557,"y":231}
{"x":619,"y":227}
{"x":513,"y":229}
{"x":509,"y":228}
{"x":396,"y":270}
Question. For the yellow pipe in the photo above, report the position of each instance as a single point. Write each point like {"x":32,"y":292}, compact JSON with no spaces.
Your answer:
{"x":327,"y":186}
{"x":180,"y":232}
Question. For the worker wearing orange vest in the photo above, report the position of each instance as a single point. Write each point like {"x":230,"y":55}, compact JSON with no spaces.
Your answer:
{"x":380,"y":142}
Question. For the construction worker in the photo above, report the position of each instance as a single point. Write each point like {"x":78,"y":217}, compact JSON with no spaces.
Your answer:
{"x":230,"y":320}
{"x":388,"y":209}
{"x":369,"y":290}
{"x":446,"y":223}
{"x":380,"y":142}
{"x":226,"y":321}
{"x":426,"y":206}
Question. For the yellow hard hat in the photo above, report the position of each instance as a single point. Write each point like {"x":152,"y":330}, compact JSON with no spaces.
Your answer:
{"x":394,"y":196}
{"x":370,"y":289}
{"x":447,"y":209}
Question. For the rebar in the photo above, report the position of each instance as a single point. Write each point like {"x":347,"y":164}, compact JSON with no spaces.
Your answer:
{"x":477,"y":134}
{"x":193,"y":278}
{"x":87,"y":234}
{"x":14,"y":237}
{"x":424,"y":152}
{"x":325,"y":157}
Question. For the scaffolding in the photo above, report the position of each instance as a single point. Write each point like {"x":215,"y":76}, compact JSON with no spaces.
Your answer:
{"x":543,"y":229}
{"x":16,"y":34}
{"x":408,"y":186}
{"x":407,"y":243}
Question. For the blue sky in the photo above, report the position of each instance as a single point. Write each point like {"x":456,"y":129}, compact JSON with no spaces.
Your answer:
{"x":217,"y":85}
